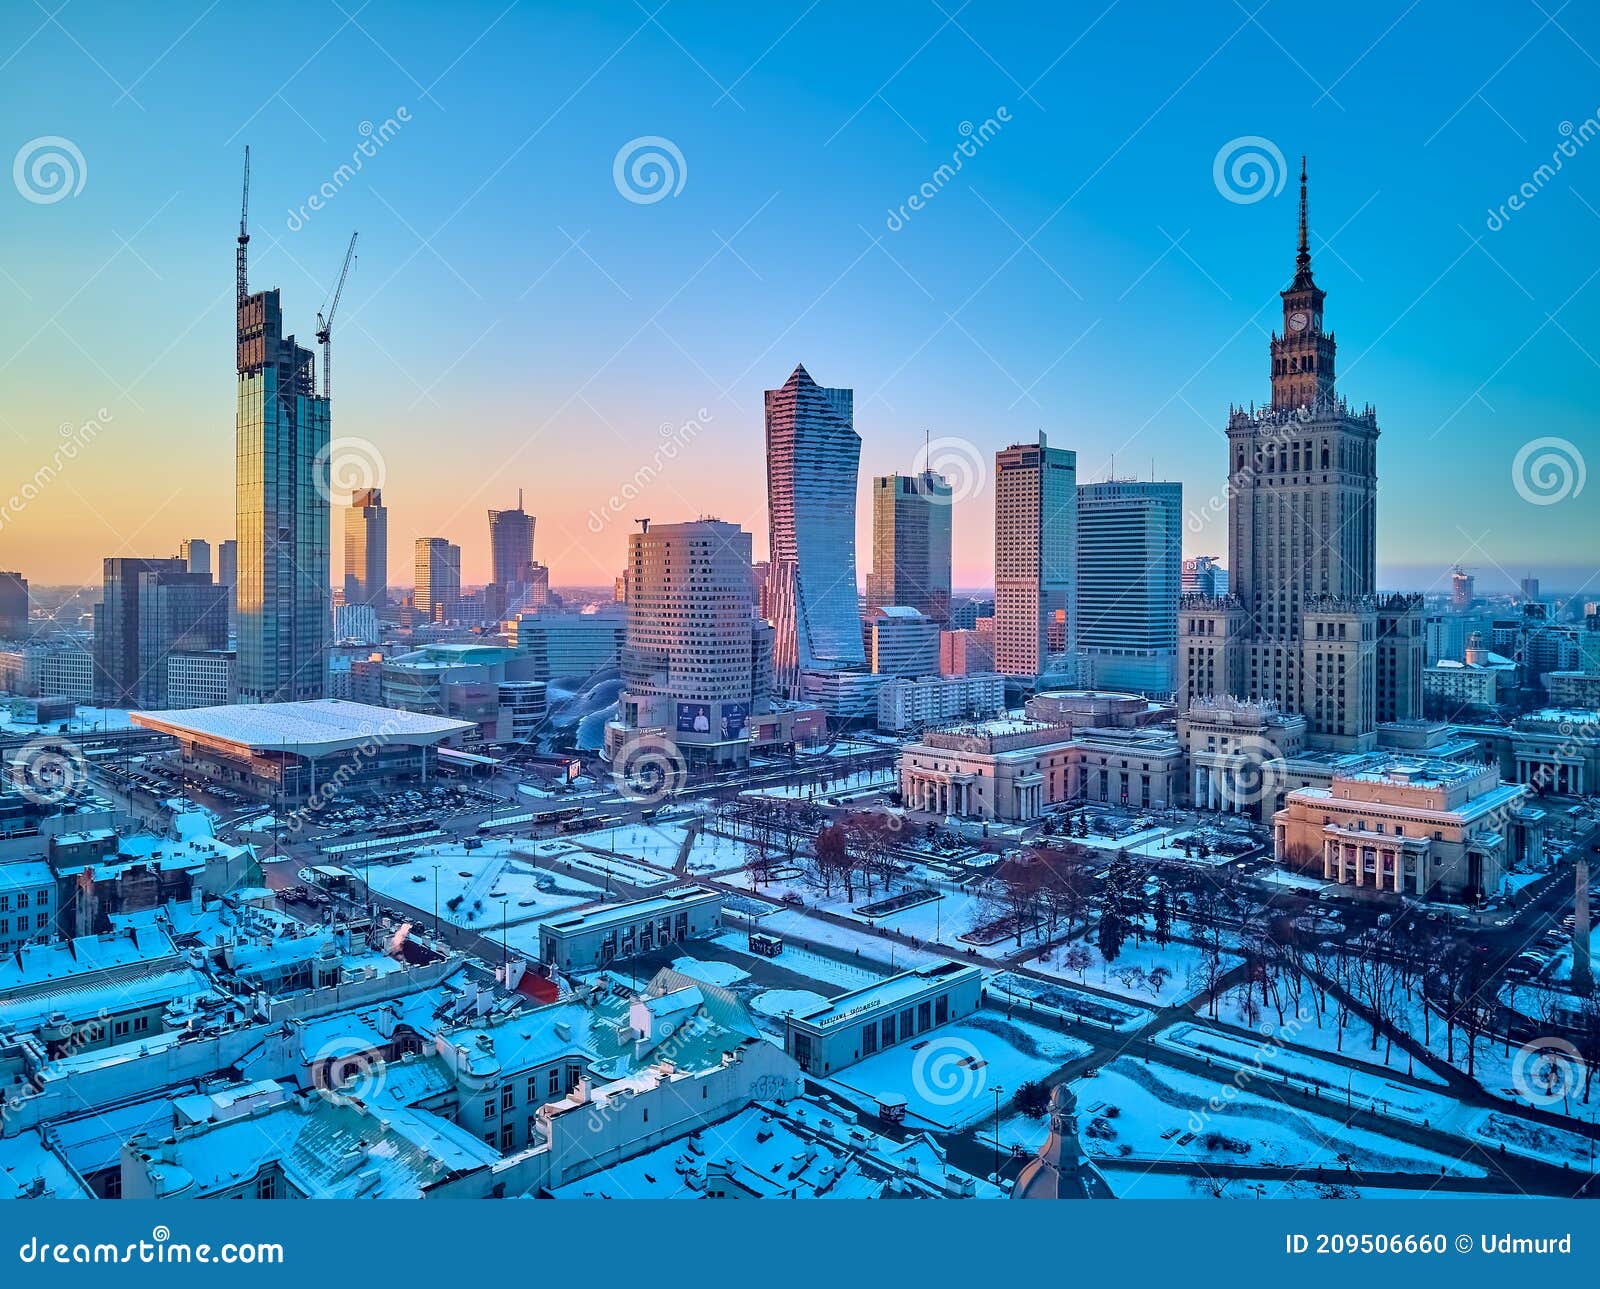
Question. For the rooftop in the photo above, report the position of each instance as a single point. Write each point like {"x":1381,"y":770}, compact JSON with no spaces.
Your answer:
{"x":313,"y":728}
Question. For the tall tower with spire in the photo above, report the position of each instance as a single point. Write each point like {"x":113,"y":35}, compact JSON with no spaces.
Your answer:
{"x":1303,"y":353}
{"x":1305,"y":630}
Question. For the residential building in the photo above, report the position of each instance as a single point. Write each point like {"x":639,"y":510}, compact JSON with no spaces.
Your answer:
{"x":907,"y":703}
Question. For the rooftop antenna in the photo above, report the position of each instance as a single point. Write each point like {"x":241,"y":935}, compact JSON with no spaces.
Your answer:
{"x":644,"y":524}
{"x":325,"y":326}
{"x":242,"y":255}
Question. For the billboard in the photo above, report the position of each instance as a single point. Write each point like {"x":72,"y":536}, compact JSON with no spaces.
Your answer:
{"x":734,"y":716}
{"x":694,"y":718}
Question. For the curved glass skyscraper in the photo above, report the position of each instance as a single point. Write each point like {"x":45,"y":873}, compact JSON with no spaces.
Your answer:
{"x":813,"y":454}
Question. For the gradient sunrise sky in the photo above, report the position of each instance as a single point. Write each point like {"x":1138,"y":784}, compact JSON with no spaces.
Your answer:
{"x":515,"y":321}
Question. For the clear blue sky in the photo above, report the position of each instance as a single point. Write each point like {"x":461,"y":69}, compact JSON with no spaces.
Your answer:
{"x":514,"y":321}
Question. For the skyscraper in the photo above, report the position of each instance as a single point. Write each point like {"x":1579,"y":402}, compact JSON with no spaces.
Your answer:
{"x":511,"y":545}
{"x":1130,"y":556}
{"x":228,"y":576}
{"x":366,"y":548}
{"x":696,"y":664}
{"x":813,"y":454}
{"x":437,"y":579}
{"x":117,"y":629}
{"x":281,"y":499}
{"x":1035,"y":554}
{"x":1462,"y":591}
{"x":1303,"y":627}
{"x":911,"y":544}
{"x":179,"y":612}
{"x":196,"y":553}
{"x":13,"y":606}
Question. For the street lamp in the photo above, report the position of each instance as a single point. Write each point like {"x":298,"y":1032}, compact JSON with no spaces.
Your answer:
{"x":997,"y":1091}
{"x":505,"y":948}
{"x":436,"y":901}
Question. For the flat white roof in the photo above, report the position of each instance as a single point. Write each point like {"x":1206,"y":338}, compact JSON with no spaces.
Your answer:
{"x":313,"y":728}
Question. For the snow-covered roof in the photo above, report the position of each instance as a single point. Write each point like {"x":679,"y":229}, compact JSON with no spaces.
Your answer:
{"x":314,"y":728}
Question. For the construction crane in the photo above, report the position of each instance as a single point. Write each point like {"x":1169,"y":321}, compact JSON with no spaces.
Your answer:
{"x":325,"y":325}
{"x":242,"y":255}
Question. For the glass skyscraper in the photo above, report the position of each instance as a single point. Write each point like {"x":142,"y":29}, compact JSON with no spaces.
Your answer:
{"x":911,"y":544}
{"x":813,"y":454}
{"x":1130,"y":560}
{"x":366,"y":548}
{"x":281,"y":495}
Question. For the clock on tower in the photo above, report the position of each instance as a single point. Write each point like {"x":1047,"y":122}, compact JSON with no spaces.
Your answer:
{"x":1302,"y":355}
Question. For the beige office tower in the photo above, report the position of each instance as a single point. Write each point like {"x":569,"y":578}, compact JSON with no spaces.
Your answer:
{"x":1035,"y":554}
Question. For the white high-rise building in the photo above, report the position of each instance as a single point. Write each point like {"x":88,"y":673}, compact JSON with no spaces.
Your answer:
{"x":1130,"y":557}
{"x":813,"y":454}
{"x":1035,"y":554}
{"x":696,"y":665}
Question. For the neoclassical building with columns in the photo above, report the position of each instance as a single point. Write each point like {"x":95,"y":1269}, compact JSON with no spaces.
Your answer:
{"x":1423,"y":827}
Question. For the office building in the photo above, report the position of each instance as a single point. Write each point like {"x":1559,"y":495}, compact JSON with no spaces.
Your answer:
{"x":491,"y":686}
{"x":1203,"y":575}
{"x":227,"y":556}
{"x":901,"y":641}
{"x":281,"y":498}
{"x":356,"y":622}
{"x":179,"y":612}
{"x":1130,"y":556}
{"x":966,"y":653}
{"x":13,"y":606}
{"x":697,"y":664}
{"x":1036,"y":555}
{"x":909,"y":703}
{"x":60,"y":668}
{"x":1462,"y":589}
{"x":571,"y":647}
{"x":813,"y":452}
{"x":207,"y":678}
{"x":437,"y":580}
{"x":366,"y":548}
{"x":116,"y":626}
{"x":511,"y":561}
{"x":911,"y":544}
{"x":196,"y":553}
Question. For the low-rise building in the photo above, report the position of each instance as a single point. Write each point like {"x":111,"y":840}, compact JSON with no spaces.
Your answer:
{"x":907,"y":704}
{"x":588,"y":940}
{"x":1574,"y":689}
{"x":27,"y":903}
{"x":863,"y":1022}
{"x":1427,"y":828}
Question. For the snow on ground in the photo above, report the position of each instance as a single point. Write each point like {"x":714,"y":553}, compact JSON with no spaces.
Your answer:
{"x":605,"y":869}
{"x":264,"y":823}
{"x":775,"y":1002}
{"x":1133,"y":1181}
{"x":1536,"y":1141}
{"x":1134,"y":1111}
{"x":1178,"y":961}
{"x":1068,"y":1002}
{"x":713,"y":973}
{"x":1321,"y":1033}
{"x":881,"y":953}
{"x":476,"y":879}
{"x":948,"y":1076}
{"x":1266,"y":1060}
{"x":802,"y":962}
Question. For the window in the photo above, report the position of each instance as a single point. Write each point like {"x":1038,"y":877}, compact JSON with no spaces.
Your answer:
{"x":924,"y":1016}
{"x":888,"y":1031}
{"x":489,"y":1111}
{"x":508,"y":1097}
{"x":941,"y":1009}
{"x":266,"y":1186}
{"x":553,"y":1082}
{"x":533,"y":1087}
{"x":869,"y":1039}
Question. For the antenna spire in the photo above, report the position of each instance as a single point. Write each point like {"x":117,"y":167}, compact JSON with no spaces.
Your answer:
{"x":1303,"y":257}
{"x":242,"y":255}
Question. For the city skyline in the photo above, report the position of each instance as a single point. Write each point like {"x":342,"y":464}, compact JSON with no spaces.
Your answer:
{"x":1153,"y":284}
